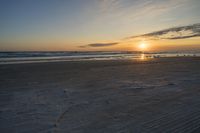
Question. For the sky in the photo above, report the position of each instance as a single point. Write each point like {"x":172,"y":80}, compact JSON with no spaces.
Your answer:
{"x":99,"y":25}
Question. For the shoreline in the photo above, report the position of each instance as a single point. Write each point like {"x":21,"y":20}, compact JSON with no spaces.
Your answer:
{"x":21,"y":61}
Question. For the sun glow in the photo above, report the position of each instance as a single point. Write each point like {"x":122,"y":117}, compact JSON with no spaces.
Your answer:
{"x":142,"y":46}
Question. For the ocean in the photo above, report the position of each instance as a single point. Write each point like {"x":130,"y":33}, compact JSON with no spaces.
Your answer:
{"x":31,"y":57}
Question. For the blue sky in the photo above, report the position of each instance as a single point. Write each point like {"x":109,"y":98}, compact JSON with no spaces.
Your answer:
{"x":66,"y":24}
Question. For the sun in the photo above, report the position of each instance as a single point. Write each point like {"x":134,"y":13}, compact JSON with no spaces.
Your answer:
{"x":143,"y":46}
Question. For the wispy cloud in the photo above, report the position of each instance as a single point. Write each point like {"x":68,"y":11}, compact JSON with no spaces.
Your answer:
{"x":99,"y":45}
{"x":135,"y":10}
{"x":181,"y":32}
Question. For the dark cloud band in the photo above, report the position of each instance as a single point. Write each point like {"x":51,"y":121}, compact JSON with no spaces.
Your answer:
{"x":182,"y":32}
{"x":99,"y":45}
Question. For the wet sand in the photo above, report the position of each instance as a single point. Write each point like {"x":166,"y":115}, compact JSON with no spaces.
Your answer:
{"x":155,"y":95}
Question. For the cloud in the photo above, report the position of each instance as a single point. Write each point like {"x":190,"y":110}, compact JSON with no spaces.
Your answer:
{"x":99,"y":45}
{"x":131,"y":10}
{"x":181,"y":32}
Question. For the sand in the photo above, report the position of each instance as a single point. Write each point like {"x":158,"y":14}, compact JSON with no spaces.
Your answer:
{"x":149,"y":96}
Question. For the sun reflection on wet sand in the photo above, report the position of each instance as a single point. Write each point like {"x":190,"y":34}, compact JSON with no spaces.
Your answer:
{"x":142,"y":57}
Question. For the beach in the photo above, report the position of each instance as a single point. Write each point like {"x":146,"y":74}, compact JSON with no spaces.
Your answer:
{"x":103,"y":96}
